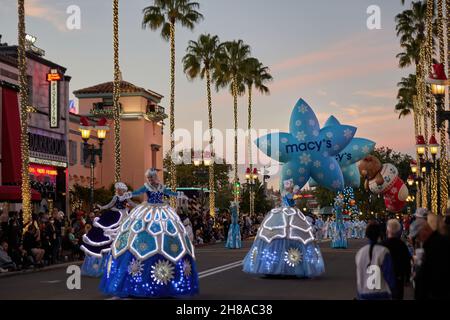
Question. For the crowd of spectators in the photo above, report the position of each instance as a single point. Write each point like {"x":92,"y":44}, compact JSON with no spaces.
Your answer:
{"x":413,"y":251}
{"x":49,"y":238}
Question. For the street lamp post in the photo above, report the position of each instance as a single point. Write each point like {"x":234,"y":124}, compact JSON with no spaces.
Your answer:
{"x":90,"y":152}
{"x":427,"y":167}
{"x":205,"y":161}
{"x":250,"y":177}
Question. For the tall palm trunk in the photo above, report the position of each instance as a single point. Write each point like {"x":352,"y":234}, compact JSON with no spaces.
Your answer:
{"x":252,"y":192}
{"x":235,"y":113}
{"x":442,"y":129}
{"x":24,"y":147}
{"x":212,"y":204}
{"x":173,"y":169}
{"x":116,"y":92}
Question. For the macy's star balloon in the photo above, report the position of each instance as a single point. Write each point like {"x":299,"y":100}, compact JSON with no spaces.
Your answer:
{"x":354,"y":152}
{"x":308,"y":151}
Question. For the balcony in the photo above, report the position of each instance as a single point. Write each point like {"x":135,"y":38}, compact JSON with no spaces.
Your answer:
{"x":155,"y":113}
{"x":103,"y":109}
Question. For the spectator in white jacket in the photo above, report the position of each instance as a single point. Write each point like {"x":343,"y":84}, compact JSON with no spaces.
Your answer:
{"x":374,"y":268}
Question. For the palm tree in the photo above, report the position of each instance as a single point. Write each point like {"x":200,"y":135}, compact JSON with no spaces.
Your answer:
{"x":411,"y":28}
{"x":116,"y":92}
{"x":164,"y":15}
{"x":256,"y":75}
{"x":201,"y":59}
{"x":407,"y":90}
{"x":24,"y":147}
{"x":230,"y":72}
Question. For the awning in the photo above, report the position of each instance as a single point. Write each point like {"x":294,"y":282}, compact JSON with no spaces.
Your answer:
{"x":11,"y":157}
{"x":14,"y":194}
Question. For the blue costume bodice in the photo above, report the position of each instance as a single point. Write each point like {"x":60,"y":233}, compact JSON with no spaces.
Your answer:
{"x":154,"y":197}
{"x":120,"y":204}
{"x":288,"y":200}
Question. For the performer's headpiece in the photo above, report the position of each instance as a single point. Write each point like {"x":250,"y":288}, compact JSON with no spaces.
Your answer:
{"x":121,"y":186}
{"x":151,"y":173}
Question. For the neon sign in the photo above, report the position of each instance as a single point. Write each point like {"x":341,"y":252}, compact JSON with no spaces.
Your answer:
{"x":54,"y":77}
{"x":42,"y":171}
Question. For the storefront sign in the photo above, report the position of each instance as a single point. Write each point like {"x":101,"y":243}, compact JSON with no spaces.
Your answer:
{"x":54,"y":77}
{"x":42,"y":171}
{"x":49,"y":162}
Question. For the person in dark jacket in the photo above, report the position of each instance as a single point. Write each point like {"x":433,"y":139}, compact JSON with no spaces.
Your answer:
{"x":433,"y":277}
{"x":401,"y":259}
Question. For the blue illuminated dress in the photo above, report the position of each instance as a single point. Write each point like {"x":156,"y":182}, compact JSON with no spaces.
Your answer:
{"x":338,"y":230}
{"x":152,"y":255}
{"x":285,"y":245}
{"x":234,"y":233}
{"x":97,"y":242}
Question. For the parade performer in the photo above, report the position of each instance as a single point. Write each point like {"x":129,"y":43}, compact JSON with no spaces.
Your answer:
{"x":97,"y":242}
{"x":234,"y":233}
{"x":338,"y":231}
{"x":284,"y":245}
{"x":152,"y":255}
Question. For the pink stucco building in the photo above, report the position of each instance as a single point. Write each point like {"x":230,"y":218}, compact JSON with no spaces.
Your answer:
{"x":142,"y":122}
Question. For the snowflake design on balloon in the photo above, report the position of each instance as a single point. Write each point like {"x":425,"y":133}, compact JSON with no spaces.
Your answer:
{"x":187,"y":268}
{"x":293,"y":257}
{"x":347,"y":159}
{"x":135,"y":268}
{"x":306,"y":145}
{"x":162,"y":272}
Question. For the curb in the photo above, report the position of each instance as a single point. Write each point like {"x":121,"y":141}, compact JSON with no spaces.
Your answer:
{"x":48,"y":268}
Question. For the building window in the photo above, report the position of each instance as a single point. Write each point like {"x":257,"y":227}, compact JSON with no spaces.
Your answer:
{"x":72,"y":153}
{"x":155,"y":148}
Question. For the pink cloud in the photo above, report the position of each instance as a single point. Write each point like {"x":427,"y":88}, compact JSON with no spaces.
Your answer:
{"x":381,"y":93}
{"x":36,"y":9}
{"x":342,"y":50}
{"x":333,"y":74}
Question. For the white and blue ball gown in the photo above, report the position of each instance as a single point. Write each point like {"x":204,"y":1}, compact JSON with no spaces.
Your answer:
{"x":152,"y":255}
{"x":97,"y":242}
{"x":338,"y":230}
{"x":234,"y":240}
{"x":285,"y":245}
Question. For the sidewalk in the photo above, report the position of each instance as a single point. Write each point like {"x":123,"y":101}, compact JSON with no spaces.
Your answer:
{"x":34,"y":270}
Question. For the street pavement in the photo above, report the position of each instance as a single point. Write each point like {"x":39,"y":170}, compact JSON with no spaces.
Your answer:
{"x":221,"y":278}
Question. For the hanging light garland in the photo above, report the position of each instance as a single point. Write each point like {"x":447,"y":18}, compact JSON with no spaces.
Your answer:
{"x":428,"y":49}
{"x":212,"y":205}
{"x":172,"y":167}
{"x":249,"y":116}
{"x":442,"y":129}
{"x":235,"y":113}
{"x":116,"y":92}
{"x":24,"y":144}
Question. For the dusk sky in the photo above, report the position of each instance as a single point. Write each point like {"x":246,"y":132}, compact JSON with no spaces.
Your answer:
{"x":319,"y":50}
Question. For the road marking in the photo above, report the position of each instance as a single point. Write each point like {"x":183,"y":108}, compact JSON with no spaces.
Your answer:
{"x":51,"y":281}
{"x":219,"y":269}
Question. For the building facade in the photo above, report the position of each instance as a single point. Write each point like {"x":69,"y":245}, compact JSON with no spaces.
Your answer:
{"x":48,"y":95}
{"x":142,"y":120}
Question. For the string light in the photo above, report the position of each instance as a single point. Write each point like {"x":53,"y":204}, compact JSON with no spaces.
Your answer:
{"x":172,"y":169}
{"x":235,"y":114}
{"x":212,"y":205}
{"x":249,"y":116}
{"x":24,"y":144}
{"x":442,"y":129}
{"x":116,"y":93}
{"x":428,"y":51}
